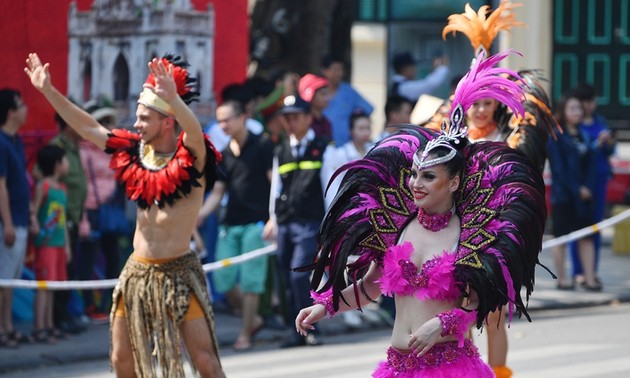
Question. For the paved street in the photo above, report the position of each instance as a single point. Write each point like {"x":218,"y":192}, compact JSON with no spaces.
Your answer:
{"x":589,"y":342}
{"x":574,"y":334}
{"x":568,"y":343}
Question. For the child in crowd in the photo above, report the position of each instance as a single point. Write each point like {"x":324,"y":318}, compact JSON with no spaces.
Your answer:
{"x":51,"y":247}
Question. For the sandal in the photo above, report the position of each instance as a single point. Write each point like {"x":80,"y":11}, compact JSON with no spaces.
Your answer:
{"x":565,"y":287}
{"x":19,"y":337}
{"x":257,"y":329}
{"x":241,"y":345}
{"x":595,"y":288}
{"x":56,"y":333}
{"x":7,"y":342}
{"x":42,"y":336}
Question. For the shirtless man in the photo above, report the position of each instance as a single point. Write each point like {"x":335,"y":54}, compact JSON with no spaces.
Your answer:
{"x":162,"y":283}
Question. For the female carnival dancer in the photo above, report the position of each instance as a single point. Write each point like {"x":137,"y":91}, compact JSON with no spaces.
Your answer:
{"x":454,"y":238}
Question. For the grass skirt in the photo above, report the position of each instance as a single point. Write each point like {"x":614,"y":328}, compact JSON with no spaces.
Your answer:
{"x":156,"y":298}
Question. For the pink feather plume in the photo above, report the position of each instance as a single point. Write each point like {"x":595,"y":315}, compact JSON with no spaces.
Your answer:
{"x":484,"y":80}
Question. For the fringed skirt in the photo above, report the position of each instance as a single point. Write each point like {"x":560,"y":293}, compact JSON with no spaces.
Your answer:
{"x":443,"y":360}
{"x":156,"y":299}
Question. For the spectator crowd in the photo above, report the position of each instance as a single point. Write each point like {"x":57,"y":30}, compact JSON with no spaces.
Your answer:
{"x":282,"y":138}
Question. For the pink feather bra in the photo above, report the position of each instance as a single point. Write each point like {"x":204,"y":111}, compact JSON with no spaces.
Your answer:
{"x":434,"y":280}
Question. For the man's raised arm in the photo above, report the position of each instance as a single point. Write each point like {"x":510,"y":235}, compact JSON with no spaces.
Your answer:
{"x":166,"y":88}
{"x":76,"y":117}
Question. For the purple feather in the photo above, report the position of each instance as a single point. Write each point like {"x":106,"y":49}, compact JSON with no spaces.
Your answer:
{"x":485,"y":81}
{"x":511,"y":294}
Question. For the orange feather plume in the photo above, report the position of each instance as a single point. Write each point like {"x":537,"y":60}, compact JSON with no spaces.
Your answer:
{"x":480,"y":27}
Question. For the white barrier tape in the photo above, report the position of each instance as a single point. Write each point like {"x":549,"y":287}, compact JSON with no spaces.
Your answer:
{"x":579,"y":234}
{"x":239,"y":259}
{"x":108,"y":284}
{"x":59,"y":285}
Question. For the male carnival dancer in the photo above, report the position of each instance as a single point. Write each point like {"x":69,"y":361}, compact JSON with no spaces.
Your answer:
{"x":161,"y":298}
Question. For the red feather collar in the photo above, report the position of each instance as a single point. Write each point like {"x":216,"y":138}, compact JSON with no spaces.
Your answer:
{"x":153,"y":186}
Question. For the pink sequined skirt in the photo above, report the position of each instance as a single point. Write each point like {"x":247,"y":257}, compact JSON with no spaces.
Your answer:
{"x":444,"y":360}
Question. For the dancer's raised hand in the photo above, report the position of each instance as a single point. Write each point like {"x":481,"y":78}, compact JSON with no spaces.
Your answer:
{"x":165,"y":86}
{"x":38,"y":72}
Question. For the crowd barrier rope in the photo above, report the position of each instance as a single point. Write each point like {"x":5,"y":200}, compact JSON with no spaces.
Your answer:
{"x":579,"y":234}
{"x":109,"y":283}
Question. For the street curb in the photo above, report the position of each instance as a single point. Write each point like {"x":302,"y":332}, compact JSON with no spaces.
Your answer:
{"x":333,"y":328}
{"x":47,"y":360}
{"x":585,"y":304}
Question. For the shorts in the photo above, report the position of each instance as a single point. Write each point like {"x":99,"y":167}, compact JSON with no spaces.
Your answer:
{"x":443,"y":360}
{"x":50,"y":264}
{"x":12,"y":258}
{"x":194,"y":308}
{"x":250,"y":275}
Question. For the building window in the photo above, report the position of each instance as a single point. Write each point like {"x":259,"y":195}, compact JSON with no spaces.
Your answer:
{"x":180,"y":47}
{"x":86,"y":93}
{"x":121,"y":79}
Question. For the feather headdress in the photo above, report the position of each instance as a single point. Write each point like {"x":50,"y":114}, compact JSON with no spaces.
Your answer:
{"x":501,"y":206}
{"x":183,"y":82}
{"x":480,"y":28}
{"x":484,"y":80}
{"x":530,"y":132}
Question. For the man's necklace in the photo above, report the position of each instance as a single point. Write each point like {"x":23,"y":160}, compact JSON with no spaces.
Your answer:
{"x":154,"y":160}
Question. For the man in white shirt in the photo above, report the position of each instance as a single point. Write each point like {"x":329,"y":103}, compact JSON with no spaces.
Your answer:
{"x":244,"y":95}
{"x":405,"y":83}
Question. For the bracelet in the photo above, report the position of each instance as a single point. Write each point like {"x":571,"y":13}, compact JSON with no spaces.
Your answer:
{"x":365,"y":292}
{"x":456,"y":322}
{"x":325,"y":299}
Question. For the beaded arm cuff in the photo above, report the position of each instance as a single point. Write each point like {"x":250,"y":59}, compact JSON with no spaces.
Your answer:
{"x":326,"y":300}
{"x":456,"y":322}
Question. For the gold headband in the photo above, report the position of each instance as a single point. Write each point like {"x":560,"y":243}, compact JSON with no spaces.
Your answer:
{"x":149,"y":99}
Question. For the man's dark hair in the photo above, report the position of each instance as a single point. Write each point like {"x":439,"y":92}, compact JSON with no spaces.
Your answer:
{"x":329,"y":59}
{"x":48,"y":157}
{"x":402,"y":60}
{"x":237,"y":92}
{"x":8,"y":101}
{"x":356,"y":114}
{"x":585,"y":92}
{"x":260,"y":86}
{"x":236,"y":106}
{"x":395,"y":103}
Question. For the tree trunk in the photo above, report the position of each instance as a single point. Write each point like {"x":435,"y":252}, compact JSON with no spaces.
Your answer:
{"x":296,"y":34}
